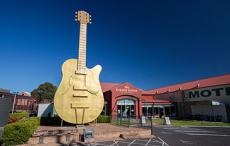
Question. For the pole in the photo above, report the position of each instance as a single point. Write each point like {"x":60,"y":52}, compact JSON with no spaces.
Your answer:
{"x":213,"y":116}
{"x":15,"y":95}
{"x":151,"y":122}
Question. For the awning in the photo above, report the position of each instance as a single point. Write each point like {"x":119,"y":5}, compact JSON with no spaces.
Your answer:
{"x":157,"y":103}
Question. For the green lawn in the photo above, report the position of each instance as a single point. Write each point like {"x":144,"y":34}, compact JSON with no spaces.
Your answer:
{"x":158,"y":121}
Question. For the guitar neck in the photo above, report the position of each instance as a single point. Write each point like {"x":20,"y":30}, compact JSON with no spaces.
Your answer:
{"x":81,"y":65}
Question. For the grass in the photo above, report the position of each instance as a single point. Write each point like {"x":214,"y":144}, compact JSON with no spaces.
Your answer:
{"x":158,"y":121}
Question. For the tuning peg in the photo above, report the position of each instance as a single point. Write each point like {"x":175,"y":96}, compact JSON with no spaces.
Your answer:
{"x":76,"y":12}
{"x":90,"y":22}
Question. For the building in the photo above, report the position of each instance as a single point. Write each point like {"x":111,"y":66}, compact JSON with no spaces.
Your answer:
{"x":206,"y":99}
{"x":20,"y":102}
{"x":125,"y":100}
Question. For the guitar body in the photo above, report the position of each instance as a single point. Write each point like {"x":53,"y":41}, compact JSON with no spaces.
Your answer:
{"x":79,"y":98}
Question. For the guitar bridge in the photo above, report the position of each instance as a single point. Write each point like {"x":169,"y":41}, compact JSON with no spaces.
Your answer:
{"x":79,"y":105}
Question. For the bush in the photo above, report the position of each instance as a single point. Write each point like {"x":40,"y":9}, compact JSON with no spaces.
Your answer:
{"x":103,"y":119}
{"x":12,"y":119}
{"x":20,"y":132}
{"x":18,"y":116}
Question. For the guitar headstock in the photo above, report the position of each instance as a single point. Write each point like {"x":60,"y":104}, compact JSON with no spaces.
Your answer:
{"x":83,"y":17}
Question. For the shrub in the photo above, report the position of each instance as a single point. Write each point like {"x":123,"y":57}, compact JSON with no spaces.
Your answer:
{"x":20,"y":132}
{"x":18,"y":116}
{"x":103,"y":119}
{"x":12,"y":119}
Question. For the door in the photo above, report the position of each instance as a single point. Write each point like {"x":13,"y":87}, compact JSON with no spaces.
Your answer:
{"x":126,"y":108}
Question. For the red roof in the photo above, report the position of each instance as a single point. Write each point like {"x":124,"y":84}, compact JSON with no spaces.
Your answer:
{"x":107,"y":86}
{"x":214,"y":81}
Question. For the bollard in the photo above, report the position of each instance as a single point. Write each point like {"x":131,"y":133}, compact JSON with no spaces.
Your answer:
{"x":68,"y":138}
{"x":41,"y":139}
{"x":129,"y":122}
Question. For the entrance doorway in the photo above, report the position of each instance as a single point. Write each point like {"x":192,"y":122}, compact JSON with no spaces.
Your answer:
{"x":126,"y":108}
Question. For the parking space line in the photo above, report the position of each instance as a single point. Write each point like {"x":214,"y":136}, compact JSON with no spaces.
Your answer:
{"x":141,"y":140}
{"x":206,"y":134}
{"x":157,"y":141}
{"x":132,"y":142}
{"x":186,"y":142}
{"x":193,"y":131}
{"x":164,"y":143}
{"x":148,"y":142}
{"x":115,"y":143}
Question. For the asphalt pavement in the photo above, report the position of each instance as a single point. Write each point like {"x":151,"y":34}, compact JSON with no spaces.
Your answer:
{"x":178,"y":136}
{"x":194,"y":136}
{"x":131,"y":142}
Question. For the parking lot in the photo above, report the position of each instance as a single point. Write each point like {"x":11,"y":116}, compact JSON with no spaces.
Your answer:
{"x":202,"y":136}
{"x":133,"y":142}
{"x":179,"y":136}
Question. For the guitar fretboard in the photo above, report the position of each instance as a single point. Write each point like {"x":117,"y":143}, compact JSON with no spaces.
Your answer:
{"x":82,"y":48}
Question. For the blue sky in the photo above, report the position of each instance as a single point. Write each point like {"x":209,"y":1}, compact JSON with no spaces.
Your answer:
{"x":147,"y":43}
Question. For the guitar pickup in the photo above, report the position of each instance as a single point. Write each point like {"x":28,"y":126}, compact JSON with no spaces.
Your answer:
{"x":80,"y":88}
{"x":82,"y":96}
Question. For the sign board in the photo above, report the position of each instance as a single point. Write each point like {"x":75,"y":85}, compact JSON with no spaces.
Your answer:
{"x":126,"y":89}
{"x":167,"y":121}
{"x":215,"y":102}
{"x":217,"y":93}
{"x":88,"y":135}
{"x":143,"y":120}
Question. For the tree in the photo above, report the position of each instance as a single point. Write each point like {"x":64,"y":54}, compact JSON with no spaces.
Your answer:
{"x":44,"y":91}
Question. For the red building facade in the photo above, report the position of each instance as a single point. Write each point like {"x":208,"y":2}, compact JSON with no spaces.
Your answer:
{"x":126,"y":100}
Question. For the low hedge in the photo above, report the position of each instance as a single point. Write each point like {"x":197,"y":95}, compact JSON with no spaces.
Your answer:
{"x":103,"y":119}
{"x":18,"y":116}
{"x":20,"y":132}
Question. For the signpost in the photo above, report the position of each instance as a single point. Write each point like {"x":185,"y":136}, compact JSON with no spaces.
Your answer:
{"x":88,"y":135}
{"x":167,"y":121}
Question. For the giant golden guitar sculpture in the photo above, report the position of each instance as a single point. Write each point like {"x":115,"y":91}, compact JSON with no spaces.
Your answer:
{"x":79,"y":98}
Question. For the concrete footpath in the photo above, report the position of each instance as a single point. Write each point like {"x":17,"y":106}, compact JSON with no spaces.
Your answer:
{"x":103,"y":132}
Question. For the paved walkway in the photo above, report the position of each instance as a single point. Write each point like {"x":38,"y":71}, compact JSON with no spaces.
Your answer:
{"x":102,"y":132}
